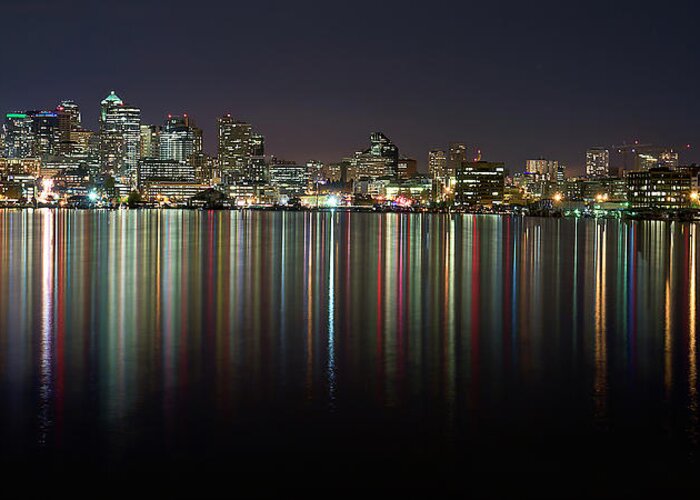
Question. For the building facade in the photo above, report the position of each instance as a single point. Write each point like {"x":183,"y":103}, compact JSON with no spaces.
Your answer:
{"x":659,"y":188}
{"x":597,"y":163}
{"x":479,"y":183}
{"x":120,"y":138}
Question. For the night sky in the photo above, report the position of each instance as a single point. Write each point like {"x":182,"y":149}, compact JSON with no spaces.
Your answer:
{"x":516,"y":79}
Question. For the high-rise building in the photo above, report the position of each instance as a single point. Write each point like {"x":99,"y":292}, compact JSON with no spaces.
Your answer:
{"x":437,"y":170}
{"x":257,"y":145}
{"x":380,"y":160}
{"x":479,"y":183}
{"x":32,"y":134}
{"x":178,"y":140}
{"x":547,"y":169}
{"x":437,"y":164}
{"x":79,"y":140}
{"x":47,"y":133}
{"x":316,"y":173}
{"x":72,"y":111}
{"x":457,"y":155}
{"x":256,"y":167}
{"x":120,"y":138}
{"x":150,"y":141}
{"x":68,"y":114}
{"x":18,"y":135}
{"x":382,"y":147}
{"x":234,"y":145}
{"x":597,"y":163}
{"x":204,"y":167}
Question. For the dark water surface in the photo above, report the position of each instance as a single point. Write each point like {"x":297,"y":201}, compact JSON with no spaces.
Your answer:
{"x":269,"y":353}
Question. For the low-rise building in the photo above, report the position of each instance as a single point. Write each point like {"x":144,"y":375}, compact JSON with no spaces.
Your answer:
{"x":659,"y":188}
{"x":479,"y":183}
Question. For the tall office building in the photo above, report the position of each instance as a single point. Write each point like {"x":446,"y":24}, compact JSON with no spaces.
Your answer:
{"x":256,"y":168}
{"x":547,"y":169}
{"x":68,"y":114}
{"x":437,"y":164}
{"x":178,"y":140}
{"x":234,"y":145}
{"x":120,"y":138}
{"x":457,"y":155}
{"x":47,"y":131}
{"x":257,"y":145}
{"x":18,"y":136}
{"x":597,"y":163}
{"x":204,"y":167}
{"x":32,"y":134}
{"x":80,"y":141}
{"x":150,"y":141}
{"x":72,"y":111}
{"x":381,"y":159}
{"x":382,"y":147}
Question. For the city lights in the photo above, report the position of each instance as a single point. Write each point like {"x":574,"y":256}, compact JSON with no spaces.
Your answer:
{"x":129,"y":163}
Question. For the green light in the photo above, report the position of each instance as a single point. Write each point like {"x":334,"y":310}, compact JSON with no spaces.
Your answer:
{"x":16,"y":115}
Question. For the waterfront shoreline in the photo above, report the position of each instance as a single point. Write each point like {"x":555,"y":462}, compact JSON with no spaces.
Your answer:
{"x":687,"y":215}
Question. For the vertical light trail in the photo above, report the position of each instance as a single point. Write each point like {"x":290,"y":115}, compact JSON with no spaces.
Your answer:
{"x":46,"y":373}
{"x":450,"y":356}
{"x":331,"y":315}
{"x":574,"y":300}
{"x":600,"y":388}
{"x":668,"y":339}
{"x":309,"y":301}
{"x":692,"y":343}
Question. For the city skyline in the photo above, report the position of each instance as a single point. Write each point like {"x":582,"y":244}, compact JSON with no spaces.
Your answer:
{"x":517,"y":83}
{"x":423,"y":249}
{"x":470,"y":151}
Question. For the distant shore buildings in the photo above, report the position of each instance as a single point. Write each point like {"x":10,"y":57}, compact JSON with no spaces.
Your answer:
{"x":47,"y":156}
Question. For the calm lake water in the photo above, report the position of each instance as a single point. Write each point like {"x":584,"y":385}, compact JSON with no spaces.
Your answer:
{"x":270,"y":352}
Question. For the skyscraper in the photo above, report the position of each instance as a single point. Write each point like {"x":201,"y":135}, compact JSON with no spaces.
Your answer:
{"x":437,"y":164}
{"x":150,"y":141}
{"x":17,"y":131}
{"x":234,"y":145}
{"x":382,"y":147}
{"x":257,"y":145}
{"x":597,"y":162}
{"x":120,"y":138}
{"x":72,"y":111}
{"x":47,"y":133}
{"x":457,"y":154}
{"x":256,"y":168}
{"x":177,"y":139}
{"x":546,"y":169}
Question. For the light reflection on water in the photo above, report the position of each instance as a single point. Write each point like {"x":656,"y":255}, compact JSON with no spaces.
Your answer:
{"x":131,"y":323}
